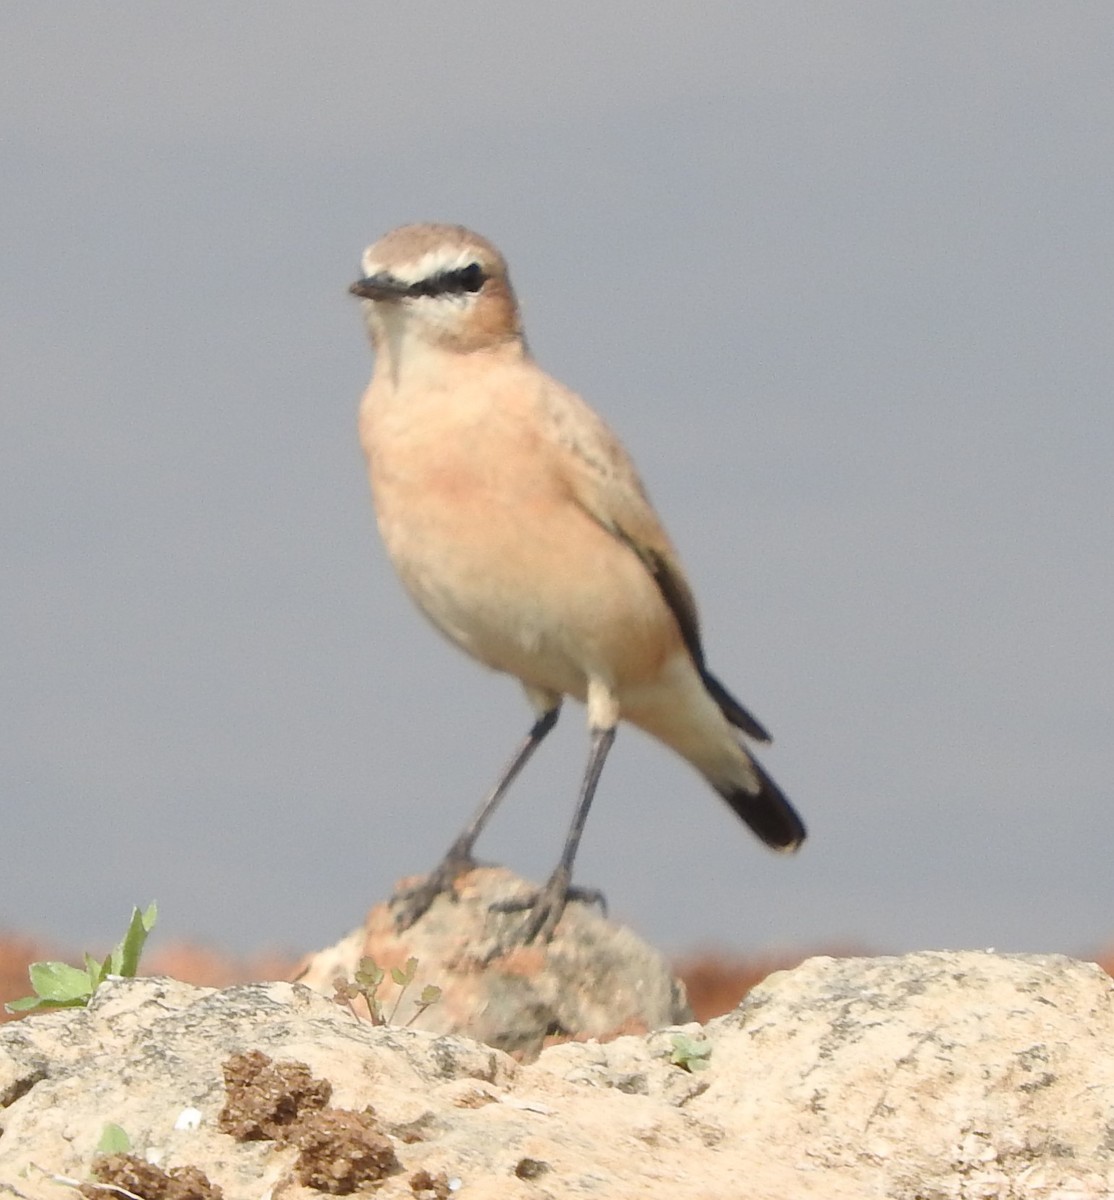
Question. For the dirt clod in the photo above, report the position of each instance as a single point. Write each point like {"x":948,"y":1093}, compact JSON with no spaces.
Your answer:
{"x":341,"y":1150}
{"x":266,"y":1099}
{"x":530,"y":1168}
{"x":148,"y":1182}
{"x":430,"y":1187}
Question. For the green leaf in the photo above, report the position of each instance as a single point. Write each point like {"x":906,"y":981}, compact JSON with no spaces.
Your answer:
{"x":96,"y":972}
{"x":59,"y":983}
{"x":690,"y":1053}
{"x":113,"y":1140}
{"x":370,"y":975}
{"x":25,"y":1004}
{"x":431,"y":993}
{"x":125,"y":958}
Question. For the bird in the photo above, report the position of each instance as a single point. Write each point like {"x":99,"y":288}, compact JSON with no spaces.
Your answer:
{"x":519,"y":526}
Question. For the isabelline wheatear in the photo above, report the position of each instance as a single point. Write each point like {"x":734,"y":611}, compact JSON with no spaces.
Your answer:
{"x":519,"y":526}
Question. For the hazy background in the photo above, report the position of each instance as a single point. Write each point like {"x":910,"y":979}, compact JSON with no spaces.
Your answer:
{"x":840,"y":275}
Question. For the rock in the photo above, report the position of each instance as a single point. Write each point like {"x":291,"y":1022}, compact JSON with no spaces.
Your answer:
{"x":147,"y":1052}
{"x":595,"y":979}
{"x":925,"y":1077}
{"x":945,"y":1074}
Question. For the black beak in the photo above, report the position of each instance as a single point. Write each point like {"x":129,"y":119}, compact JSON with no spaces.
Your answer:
{"x":379,"y":287}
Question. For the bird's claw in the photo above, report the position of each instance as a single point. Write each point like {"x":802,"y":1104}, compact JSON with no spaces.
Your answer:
{"x":545,"y":907}
{"x":409,"y":904}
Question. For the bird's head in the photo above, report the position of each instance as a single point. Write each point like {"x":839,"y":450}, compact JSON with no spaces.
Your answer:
{"x":436,"y":286}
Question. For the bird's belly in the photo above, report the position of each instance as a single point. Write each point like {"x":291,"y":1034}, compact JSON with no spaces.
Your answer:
{"x":520,"y":639}
{"x":554,"y":604}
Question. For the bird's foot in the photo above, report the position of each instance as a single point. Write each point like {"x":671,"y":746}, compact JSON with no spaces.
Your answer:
{"x":545,"y":907}
{"x":409,"y":904}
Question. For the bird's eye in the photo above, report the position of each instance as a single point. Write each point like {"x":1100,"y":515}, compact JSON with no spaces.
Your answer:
{"x":472,"y":277}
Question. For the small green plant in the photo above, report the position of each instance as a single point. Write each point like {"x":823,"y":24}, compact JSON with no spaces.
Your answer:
{"x":689,"y":1053}
{"x":58,"y":985}
{"x":369,"y":979}
{"x":114,"y":1140}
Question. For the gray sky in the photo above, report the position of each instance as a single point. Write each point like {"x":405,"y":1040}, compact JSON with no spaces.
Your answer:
{"x":840,"y":275}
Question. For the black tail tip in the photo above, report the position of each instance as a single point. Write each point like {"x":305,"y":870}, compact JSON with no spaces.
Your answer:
{"x":780,"y":828}
{"x":768,"y":813}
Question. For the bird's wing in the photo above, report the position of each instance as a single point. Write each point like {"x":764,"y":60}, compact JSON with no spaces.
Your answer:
{"x":603,"y":481}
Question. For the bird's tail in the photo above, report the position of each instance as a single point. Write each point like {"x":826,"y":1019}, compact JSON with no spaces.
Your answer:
{"x":732,"y":709}
{"x":692,"y":712}
{"x":763,"y":806}
{"x":752,"y":794}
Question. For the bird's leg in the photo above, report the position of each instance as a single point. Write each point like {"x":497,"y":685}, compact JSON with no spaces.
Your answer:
{"x":409,"y":904}
{"x":546,"y":906}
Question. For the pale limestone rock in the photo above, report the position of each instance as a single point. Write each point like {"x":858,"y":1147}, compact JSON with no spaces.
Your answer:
{"x":948,"y":1074}
{"x":594,"y":979}
{"x":935,"y":1076}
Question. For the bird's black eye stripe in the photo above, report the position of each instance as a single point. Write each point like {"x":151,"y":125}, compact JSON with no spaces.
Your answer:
{"x":451,"y":283}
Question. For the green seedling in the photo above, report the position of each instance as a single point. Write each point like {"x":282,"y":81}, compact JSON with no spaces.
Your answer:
{"x":369,"y":979}
{"x":58,"y":985}
{"x":113,"y":1140}
{"x":689,"y":1053}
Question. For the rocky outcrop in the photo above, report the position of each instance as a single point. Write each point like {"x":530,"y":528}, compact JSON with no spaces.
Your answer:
{"x":925,"y":1077}
{"x":594,"y":979}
